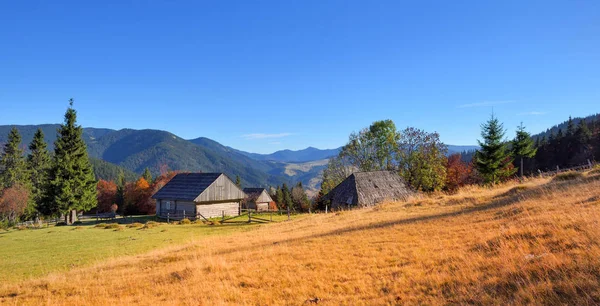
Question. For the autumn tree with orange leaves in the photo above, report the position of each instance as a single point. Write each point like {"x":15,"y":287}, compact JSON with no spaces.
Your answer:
{"x":107,"y":195}
{"x":458,"y":173}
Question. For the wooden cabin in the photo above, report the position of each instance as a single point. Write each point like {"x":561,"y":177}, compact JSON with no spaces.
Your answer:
{"x":197,"y":195}
{"x":257,"y":198}
{"x":362,"y":189}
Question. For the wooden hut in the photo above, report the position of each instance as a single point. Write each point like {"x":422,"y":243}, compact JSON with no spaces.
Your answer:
{"x":257,"y":198}
{"x":199,"y":195}
{"x":362,"y":189}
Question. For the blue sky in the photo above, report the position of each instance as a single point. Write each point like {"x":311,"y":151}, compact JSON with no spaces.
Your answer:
{"x":267,"y":75}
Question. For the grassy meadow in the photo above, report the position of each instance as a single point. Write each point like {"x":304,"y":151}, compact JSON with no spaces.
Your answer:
{"x":36,"y":252}
{"x":520,"y":243}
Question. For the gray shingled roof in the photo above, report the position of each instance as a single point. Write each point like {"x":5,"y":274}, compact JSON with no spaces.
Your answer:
{"x":253,"y":193}
{"x":253,"y":190}
{"x":369,"y":188}
{"x":186,"y":186}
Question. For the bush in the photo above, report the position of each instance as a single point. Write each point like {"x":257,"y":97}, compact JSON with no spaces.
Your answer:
{"x":77,"y":223}
{"x":136,"y":224}
{"x":150,"y":224}
{"x":568,"y":176}
{"x":61,"y":223}
{"x":103,"y":225}
{"x":185,"y":221}
{"x":6,"y":224}
{"x":21,"y":227}
{"x":112,"y":226}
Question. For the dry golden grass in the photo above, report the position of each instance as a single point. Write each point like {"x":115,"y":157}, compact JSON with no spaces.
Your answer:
{"x":537,"y":242}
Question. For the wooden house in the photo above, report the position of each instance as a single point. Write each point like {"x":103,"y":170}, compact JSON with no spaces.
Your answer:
{"x":257,"y":198}
{"x":197,"y":195}
{"x":362,"y":189}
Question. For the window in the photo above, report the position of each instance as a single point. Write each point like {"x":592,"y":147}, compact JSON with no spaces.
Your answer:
{"x":168,"y":204}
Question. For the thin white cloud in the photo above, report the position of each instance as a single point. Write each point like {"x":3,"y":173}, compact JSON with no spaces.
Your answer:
{"x":485,"y":103}
{"x":532,"y":113}
{"x":265,"y":136}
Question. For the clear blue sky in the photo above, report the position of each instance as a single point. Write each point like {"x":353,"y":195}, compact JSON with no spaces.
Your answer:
{"x":267,"y":75}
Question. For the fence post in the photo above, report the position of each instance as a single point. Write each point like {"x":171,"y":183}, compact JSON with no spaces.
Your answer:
{"x":325,"y":208}
{"x":271,"y":216}
{"x":184,"y":214}
{"x":168,"y":213}
{"x":223,"y":216}
{"x":249,"y":217}
{"x":288,"y":212}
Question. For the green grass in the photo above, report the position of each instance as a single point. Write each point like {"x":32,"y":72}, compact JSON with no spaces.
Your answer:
{"x":31,"y":253}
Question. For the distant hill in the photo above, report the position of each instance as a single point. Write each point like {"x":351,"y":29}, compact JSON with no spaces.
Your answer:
{"x":104,"y":170}
{"x":460,"y":149}
{"x":300,"y":156}
{"x":135,"y":150}
{"x":563,"y":125}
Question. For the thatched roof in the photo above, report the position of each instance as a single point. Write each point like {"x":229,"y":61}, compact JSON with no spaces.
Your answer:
{"x":369,"y":188}
{"x":186,"y":186}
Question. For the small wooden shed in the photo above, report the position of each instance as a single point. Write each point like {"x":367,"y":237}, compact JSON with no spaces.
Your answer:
{"x":199,"y":195}
{"x":257,"y":198}
{"x":362,"y":189}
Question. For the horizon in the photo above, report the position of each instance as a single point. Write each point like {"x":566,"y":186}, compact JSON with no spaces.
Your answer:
{"x":270,"y":76}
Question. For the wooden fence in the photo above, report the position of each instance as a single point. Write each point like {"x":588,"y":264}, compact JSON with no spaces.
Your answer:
{"x":589,"y":165}
{"x":250,"y":214}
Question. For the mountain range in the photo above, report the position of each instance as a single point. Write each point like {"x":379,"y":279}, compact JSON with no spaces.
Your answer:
{"x":135,"y":150}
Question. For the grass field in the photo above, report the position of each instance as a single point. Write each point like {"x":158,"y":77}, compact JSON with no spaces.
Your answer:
{"x":36,"y":252}
{"x":532,"y":243}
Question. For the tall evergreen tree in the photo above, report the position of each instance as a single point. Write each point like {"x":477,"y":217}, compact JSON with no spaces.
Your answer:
{"x":147,"y":175}
{"x":13,"y":162}
{"x":238,"y":181}
{"x":72,"y":182}
{"x":523,"y":146}
{"x":38,"y":163}
{"x":493,"y":160}
{"x":287,"y":196}
{"x":120,"y":197}
{"x":279,"y":198}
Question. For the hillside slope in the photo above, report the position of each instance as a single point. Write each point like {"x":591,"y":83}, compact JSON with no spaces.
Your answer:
{"x":535,"y":242}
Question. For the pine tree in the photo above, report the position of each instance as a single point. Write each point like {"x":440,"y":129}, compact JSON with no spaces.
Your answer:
{"x":38,"y":163}
{"x":493,"y":161}
{"x":238,"y":181}
{"x":147,"y":175}
{"x":279,"y":197}
{"x":13,"y":162}
{"x":523,"y":146}
{"x":287,"y":196}
{"x":72,"y":182}
{"x":120,"y":197}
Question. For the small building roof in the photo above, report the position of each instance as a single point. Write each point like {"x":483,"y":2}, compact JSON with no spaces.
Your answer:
{"x":186,"y":186}
{"x":370,"y":188}
{"x":253,"y":190}
{"x":254,"y":193}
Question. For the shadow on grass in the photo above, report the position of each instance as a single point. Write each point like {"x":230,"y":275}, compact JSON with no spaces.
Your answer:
{"x":503,"y":200}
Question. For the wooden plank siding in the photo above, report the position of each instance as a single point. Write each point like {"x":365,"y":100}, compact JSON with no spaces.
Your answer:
{"x":217,"y":210}
{"x":221,"y":190}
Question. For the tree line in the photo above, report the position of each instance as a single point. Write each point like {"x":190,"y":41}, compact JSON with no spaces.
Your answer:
{"x":421,"y":158}
{"x":47,"y":184}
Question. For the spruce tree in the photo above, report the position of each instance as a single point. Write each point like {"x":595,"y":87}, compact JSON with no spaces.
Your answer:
{"x":38,"y":163}
{"x":72,"y":182}
{"x":287,"y":196}
{"x":13,"y":162}
{"x":147,"y":175}
{"x":120,"y":198}
{"x":493,"y":160}
{"x":279,"y":198}
{"x":238,"y":181}
{"x":523,"y":146}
